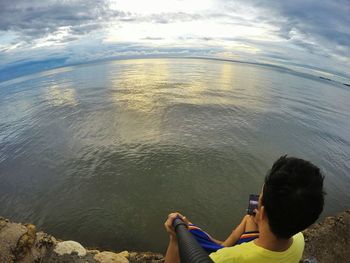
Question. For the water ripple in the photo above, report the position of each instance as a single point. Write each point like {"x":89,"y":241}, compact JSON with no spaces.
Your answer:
{"x":101,"y":153}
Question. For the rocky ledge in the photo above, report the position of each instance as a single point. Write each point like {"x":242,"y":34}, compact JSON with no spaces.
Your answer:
{"x":21,"y":243}
{"x":328,"y":241}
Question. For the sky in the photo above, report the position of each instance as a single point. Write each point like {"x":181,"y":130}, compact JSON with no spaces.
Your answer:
{"x":307,"y":35}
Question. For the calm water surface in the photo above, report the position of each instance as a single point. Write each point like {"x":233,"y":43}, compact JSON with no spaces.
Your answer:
{"x":101,"y":153}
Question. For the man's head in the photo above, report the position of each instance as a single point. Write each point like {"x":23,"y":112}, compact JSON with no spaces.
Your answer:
{"x":292,"y":196}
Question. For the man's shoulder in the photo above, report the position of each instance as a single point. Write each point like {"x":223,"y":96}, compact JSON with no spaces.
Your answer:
{"x":298,"y":241}
{"x":299,"y":236}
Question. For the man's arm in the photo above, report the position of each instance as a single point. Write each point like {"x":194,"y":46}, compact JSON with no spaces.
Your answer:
{"x":247,"y":224}
{"x":236,"y":233}
{"x":172,"y":253}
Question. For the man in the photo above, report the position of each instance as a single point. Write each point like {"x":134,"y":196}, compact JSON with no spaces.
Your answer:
{"x":292,"y":199}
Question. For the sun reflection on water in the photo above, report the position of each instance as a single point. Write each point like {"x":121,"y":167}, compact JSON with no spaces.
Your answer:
{"x":61,"y":96}
{"x":154,"y":84}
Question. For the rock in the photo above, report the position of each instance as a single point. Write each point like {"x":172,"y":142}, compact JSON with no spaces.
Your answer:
{"x":69,"y":247}
{"x":124,"y":254}
{"x":110,"y":257}
{"x":324,"y":242}
{"x":93,"y":251}
{"x":329,"y":241}
{"x":45,"y":240}
{"x":149,"y":257}
{"x":25,"y":243}
{"x":73,"y":258}
{"x":43,"y":244}
{"x":10,"y":234}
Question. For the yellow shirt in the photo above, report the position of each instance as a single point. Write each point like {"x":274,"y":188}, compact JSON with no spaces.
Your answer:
{"x":249,"y":252}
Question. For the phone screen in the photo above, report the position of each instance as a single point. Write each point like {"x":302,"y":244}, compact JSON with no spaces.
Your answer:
{"x":253,"y":204}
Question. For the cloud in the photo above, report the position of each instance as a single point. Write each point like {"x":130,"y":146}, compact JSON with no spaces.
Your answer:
{"x":320,"y":29}
{"x":172,"y":17}
{"x":321,"y":22}
{"x":298,"y":32}
{"x":153,"y":38}
{"x":36,"y":19}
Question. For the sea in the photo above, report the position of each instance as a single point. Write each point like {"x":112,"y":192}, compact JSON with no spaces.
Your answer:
{"x":101,"y":153}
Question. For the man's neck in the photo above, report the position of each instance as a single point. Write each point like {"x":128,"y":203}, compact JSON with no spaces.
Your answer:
{"x":269,"y":241}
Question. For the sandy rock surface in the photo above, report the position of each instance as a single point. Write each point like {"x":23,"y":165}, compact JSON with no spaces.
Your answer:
{"x":329,"y":241}
{"x":110,"y":257}
{"x":10,"y":235}
{"x":69,"y":247}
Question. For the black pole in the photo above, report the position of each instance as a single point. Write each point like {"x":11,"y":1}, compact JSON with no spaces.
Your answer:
{"x":189,"y":249}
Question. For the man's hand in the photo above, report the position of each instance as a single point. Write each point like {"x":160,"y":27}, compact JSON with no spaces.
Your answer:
{"x":256,"y":216}
{"x":169,"y":223}
{"x":172,"y":253}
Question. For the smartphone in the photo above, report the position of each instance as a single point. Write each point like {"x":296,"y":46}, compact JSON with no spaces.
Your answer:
{"x":253,"y":204}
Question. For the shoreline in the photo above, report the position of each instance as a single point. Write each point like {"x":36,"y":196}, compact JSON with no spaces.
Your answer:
{"x":326,"y":241}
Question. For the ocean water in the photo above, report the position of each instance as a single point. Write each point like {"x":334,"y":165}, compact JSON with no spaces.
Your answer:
{"x":101,"y":153}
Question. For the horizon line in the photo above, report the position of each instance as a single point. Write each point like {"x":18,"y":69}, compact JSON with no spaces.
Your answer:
{"x":262,"y":64}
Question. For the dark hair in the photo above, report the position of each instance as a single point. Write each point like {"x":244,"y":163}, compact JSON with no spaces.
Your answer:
{"x":293,"y":196}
